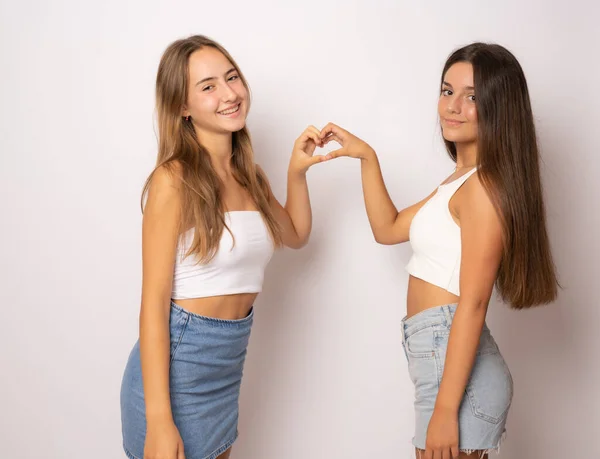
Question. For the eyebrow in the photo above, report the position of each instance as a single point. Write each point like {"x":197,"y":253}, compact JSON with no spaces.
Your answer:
{"x":469,"y":88}
{"x":203,"y":80}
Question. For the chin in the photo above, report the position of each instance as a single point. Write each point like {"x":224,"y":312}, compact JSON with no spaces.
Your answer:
{"x":457,"y":138}
{"x":236,"y":126}
{"x":451,"y":138}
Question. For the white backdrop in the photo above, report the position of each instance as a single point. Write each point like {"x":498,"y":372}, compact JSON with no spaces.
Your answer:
{"x":325,"y":376}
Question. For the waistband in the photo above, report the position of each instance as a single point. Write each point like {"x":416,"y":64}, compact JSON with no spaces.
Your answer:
{"x":431,"y":317}
{"x":197,"y":318}
{"x":438,"y":315}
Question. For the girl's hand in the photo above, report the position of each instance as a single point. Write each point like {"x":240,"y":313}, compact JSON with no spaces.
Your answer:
{"x":304,"y":147}
{"x":352,"y":146}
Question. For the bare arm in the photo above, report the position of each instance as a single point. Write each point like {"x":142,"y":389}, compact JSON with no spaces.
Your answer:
{"x":296,"y":217}
{"x":387,"y":224}
{"x":159,"y":240}
{"x":482,"y":244}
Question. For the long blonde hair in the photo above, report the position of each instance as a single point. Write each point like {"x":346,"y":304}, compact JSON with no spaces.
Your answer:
{"x":201,"y":196}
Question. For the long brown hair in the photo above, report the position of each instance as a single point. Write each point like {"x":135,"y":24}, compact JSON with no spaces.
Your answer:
{"x":508,"y":166}
{"x":178,"y":145}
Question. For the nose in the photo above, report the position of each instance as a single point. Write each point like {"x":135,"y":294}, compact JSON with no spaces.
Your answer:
{"x":454,"y":105}
{"x":228,"y":94}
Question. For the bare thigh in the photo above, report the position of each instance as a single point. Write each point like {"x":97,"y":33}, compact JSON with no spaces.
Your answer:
{"x":420,"y":454}
{"x":225,"y":455}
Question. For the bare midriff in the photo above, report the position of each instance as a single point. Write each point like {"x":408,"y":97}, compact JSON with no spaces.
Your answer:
{"x":422,"y":295}
{"x":226,"y":307}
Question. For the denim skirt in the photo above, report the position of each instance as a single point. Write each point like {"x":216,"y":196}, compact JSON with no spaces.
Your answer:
{"x":488,"y":395}
{"x":206,"y":363}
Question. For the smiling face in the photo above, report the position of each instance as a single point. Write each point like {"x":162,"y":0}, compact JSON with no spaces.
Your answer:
{"x":217,"y":100}
{"x":456,"y":106}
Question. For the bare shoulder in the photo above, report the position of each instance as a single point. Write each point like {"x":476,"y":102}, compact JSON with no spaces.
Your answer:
{"x":162,"y":209}
{"x":474,"y":195}
{"x":166,"y":181}
{"x":168,"y":175}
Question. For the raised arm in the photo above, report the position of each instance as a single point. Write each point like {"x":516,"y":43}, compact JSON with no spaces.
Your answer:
{"x":296,"y":216}
{"x":387,"y":224}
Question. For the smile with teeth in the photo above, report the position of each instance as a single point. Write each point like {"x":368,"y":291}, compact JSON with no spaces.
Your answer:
{"x":230,"y":111}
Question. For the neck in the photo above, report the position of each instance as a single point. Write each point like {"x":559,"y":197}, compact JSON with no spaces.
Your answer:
{"x":466,"y":155}
{"x":220,"y":149}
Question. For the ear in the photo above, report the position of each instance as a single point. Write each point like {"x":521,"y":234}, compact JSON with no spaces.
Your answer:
{"x":185,"y":112}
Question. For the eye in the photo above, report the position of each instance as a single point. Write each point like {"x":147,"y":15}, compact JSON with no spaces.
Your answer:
{"x":471,"y":97}
{"x":446,"y":92}
{"x":208,"y":88}
{"x":233,"y":77}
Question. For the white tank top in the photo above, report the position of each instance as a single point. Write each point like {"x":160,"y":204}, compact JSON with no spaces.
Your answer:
{"x":234,"y":269}
{"x":435,"y":240}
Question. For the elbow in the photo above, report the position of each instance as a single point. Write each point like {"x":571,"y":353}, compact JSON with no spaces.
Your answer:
{"x":385,"y":234}
{"x":379,"y":236}
{"x":155,"y":307}
{"x":379,"y":239}
{"x":298,"y":242}
{"x":384,"y":238}
{"x":475,"y":305}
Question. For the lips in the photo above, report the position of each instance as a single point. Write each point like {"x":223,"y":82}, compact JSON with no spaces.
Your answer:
{"x":230,"y":110}
{"x":452,"y":123}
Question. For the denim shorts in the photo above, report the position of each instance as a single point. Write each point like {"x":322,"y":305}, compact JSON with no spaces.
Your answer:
{"x":205,"y":373}
{"x":488,"y":395}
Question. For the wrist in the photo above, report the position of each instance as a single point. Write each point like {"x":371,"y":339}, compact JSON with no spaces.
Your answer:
{"x":159,"y":415}
{"x":296,"y":174}
{"x":446,"y":409}
{"x":159,"y":421}
{"x":369,"y":155}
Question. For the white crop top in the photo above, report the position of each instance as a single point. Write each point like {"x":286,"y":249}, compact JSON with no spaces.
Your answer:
{"x":435,"y":240}
{"x":234,"y":269}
